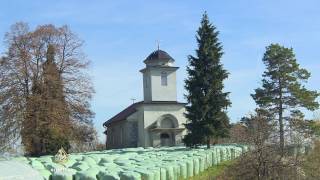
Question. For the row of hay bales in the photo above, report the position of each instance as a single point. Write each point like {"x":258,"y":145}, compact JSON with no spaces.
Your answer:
{"x":170,"y":163}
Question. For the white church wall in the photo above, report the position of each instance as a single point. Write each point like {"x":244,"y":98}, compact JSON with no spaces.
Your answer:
{"x":153,"y":112}
{"x":140,"y":118}
{"x":160,"y":92}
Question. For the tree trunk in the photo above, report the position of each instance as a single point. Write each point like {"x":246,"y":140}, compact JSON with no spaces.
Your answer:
{"x":208,"y":142}
{"x":281,"y":120}
{"x":281,"y":133}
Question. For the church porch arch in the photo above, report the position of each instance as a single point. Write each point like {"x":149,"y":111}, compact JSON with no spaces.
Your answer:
{"x":166,"y":131}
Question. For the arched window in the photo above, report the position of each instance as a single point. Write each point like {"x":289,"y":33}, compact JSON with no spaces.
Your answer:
{"x":164,"y":79}
{"x":166,"y":123}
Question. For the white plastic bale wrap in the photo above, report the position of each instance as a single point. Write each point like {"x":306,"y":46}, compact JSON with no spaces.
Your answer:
{"x":108,"y":175}
{"x":130,"y":175}
{"x":156,"y":172}
{"x":173,"y":163}
{"x":209,"y":159}
{"x":183,"y":169}
{"x":196,"y":166}
{"x":17,"y":170}
{"x":169,"y":172}
{"x":201,"y":163}
{"x":45,"y":174}
{"x":218,"y":155}
{"x":89,"y":174}
{"x":62,"y":176}
{"x":190,"y":169}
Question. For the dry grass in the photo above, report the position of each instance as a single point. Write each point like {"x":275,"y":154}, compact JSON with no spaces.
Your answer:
{"x":212,"y":173}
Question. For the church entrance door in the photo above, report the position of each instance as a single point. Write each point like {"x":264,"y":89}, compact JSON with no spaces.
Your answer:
{"x":166,"y":139}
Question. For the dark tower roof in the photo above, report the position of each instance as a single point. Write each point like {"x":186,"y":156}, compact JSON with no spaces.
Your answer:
{"x":158,"y":55}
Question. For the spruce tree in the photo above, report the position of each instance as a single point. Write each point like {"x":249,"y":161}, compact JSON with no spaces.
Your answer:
{"x":207,"y":102}
{"x":56,"y":124}
{"x":282,"y":93}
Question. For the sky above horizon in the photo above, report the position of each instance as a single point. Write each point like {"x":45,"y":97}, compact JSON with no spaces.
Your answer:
{"x":119,"y":35}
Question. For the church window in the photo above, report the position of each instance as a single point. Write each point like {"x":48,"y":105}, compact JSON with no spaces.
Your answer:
{"x":164,"y":79}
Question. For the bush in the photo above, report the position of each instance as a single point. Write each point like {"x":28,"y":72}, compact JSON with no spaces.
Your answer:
{"x":54,"y":142}
{"x":311,"y":165}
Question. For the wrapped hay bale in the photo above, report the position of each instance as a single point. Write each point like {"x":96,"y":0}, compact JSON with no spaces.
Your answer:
{"x":130,"y":175}
{"x":89,"y":161}
{"x":196,"y":166}
{"x":169,"y":172}
{"x":202,"y":160}
{"x":214,"y":159}
{"x":16,"y":170}
{"x":46,"y":158}
{"x":45,"y":174}
{"x":89,"y":174}
{"x":163,"y":173}
{"x":190,"y":169}
{"x":95,"y":157}
{"x":156,"y":171}
{"x":176,"y":170}
{"x":108,"y":175}
{"x":108,"y":165}
{"x":51,"y":166}
{"x":123,"y":162}
{"x":63,"y":175}
{"x":183,"y":170}
{"x":21,"y":159}
{"x":37,"y":164}
{"x":80,"y":166}
{"x":69,"y":163}
{"x":105,"y":160}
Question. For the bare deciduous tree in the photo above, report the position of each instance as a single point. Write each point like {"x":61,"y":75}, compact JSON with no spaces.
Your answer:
{"x":21,"y":68}
{"x":263,"y":160}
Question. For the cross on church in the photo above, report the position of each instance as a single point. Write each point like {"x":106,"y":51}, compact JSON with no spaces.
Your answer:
{"x":158,"y":44}
{"x":133,"y":99}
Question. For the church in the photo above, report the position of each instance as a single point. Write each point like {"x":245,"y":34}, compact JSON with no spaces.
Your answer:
{"x":156,"y":121}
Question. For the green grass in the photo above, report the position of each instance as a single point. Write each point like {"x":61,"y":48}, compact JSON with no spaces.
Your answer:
{"x":213,"y":172}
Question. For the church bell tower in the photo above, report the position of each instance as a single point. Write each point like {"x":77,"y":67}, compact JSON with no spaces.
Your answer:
{"x":159,"y":77}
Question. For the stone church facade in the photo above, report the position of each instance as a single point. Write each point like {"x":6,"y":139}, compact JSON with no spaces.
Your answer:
{"x":158,"y":119}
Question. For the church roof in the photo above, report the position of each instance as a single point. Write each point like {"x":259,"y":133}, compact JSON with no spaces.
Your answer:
{"x":123,"y":114}
{"x":158,"y":55}
{"x":132,"y":109}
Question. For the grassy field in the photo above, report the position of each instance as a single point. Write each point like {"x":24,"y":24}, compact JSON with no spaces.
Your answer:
{"x":213,"y":172}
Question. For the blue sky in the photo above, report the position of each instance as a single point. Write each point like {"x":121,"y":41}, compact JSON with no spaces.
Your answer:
{"x":119,"y":35}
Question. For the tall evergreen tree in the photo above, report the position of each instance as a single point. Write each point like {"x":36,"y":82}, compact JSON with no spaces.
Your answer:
{"x":282,"y":92}
{"x":56,"y":125}
{"x":207,"y":102}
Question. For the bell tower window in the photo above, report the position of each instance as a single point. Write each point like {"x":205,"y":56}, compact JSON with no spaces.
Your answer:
{"x":164,"y":79}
